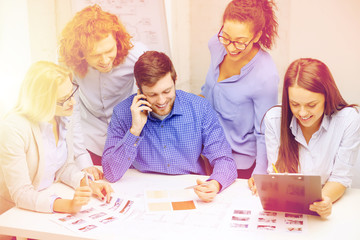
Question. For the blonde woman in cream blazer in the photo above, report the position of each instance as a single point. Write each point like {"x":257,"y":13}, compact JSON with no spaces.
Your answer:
{"x":24,"y":155}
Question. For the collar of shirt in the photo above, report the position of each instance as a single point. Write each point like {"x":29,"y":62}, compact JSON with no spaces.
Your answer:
{"x":65,"y":121}
{"x":62,"y":121}
{"x":296,"y":130}
{"x":161,"y":117}
{"x":221,"y":55}
{"x":93,"y":70}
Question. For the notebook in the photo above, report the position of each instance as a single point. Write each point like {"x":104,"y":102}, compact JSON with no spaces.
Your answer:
{"x":288,"y":192}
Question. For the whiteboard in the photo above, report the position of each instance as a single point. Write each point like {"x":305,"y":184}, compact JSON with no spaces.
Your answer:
{"x":145,"y":20}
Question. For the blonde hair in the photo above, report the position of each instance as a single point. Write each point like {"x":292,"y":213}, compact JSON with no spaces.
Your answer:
{"x":38,"y":92}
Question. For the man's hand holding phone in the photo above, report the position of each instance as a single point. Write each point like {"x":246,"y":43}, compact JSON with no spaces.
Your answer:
{"x":139,"y":112}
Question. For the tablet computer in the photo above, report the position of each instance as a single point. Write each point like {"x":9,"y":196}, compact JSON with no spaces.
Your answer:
{"x":288,"y":192}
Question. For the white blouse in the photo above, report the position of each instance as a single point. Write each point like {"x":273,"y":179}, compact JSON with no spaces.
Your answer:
{"x":55,"y":155}
{"x":332,"y":150}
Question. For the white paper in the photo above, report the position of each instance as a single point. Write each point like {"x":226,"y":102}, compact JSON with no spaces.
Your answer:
{"x":96,"y":215}
{"x":255,"y":220}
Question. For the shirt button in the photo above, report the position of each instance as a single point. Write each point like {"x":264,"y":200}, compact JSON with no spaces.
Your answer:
{"x":168,"y":165}
{"x":162,"y":126}
{"x":134,"y":144}
{"x":165,"y":146}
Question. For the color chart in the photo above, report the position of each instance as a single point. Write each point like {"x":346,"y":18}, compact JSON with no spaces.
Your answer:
{"x":169,"y":200}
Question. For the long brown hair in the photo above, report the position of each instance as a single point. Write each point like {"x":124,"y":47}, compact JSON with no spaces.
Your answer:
{"x":312,"y":75}
{"x":258,"y":12}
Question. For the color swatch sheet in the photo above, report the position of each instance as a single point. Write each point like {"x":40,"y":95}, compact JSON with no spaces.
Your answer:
{"x":169,"y":200}
{"x":95,"y":216}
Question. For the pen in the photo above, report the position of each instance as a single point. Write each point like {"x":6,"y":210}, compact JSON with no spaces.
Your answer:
{"x":194,"y":186}
{"x":86,"y":179}
{"x":276,"y":171}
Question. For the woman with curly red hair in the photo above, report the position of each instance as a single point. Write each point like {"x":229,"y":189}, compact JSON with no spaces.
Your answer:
{"x":96,"y":46}
{"x":242,"y":80}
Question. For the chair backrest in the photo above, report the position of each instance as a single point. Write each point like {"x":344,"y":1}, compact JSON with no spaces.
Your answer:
{"x":356,"y":174}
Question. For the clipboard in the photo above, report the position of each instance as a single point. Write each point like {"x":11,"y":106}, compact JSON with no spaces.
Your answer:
{"x":288,"y":192}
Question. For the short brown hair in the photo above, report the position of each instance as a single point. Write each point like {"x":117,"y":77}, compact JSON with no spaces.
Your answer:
{"x":152,"y":66}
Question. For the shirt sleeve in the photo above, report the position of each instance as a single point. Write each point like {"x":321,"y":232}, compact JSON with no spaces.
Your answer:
{"x":120,"y":149}
{"x":272,"y":140}
{"x":70,"y":173}
{"x":348,"y":152}
{"x":14,"y":166}
{"x":53,"y":198}
{"x":217,"y":150}
{"x":263,"y":101}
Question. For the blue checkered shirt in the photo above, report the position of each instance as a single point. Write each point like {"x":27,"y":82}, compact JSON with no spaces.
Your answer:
{"x":172,"y":145}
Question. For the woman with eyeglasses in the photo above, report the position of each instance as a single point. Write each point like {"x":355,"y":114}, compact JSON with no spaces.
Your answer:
{"x":315,"y":131}
{"x":37,"y":146}
{"x":242,"y":80}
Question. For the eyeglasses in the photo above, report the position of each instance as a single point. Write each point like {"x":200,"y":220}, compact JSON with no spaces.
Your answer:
{"x":238,"y":45}
{"x":75,"y":88}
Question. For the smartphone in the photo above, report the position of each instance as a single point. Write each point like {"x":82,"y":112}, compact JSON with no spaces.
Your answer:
{"x":144,"y":100}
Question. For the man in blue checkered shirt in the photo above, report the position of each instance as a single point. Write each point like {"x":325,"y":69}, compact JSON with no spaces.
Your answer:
{"x":164,"y":130}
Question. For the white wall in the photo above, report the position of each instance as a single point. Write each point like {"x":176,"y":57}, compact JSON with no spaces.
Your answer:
{"x":330,"y":31}
{"x":42,"y":30}
{"x":324,"y":29}
{"x":206,"y":21}
{"x":180,"y":40}
{"x":14,"y":50}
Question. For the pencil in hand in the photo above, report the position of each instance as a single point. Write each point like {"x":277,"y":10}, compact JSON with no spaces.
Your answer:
{"x":276,"y":171}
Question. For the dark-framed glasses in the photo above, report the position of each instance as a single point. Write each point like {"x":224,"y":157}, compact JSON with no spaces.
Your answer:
{"x":226,"y":42}
{"x":75,"y":88}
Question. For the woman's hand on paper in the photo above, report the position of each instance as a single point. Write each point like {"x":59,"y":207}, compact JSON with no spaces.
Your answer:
{"x":207,"y":190}
{"x":323,"y":208}
{"x":81,"y":197}
{"x":102,"y":190}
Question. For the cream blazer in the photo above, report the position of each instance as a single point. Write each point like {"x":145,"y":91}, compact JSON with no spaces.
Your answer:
{"x":22,"y":165}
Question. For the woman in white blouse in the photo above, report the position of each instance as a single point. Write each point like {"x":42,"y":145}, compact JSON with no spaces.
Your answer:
{"x":315,"y":131}
{"x":36,"y":147}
